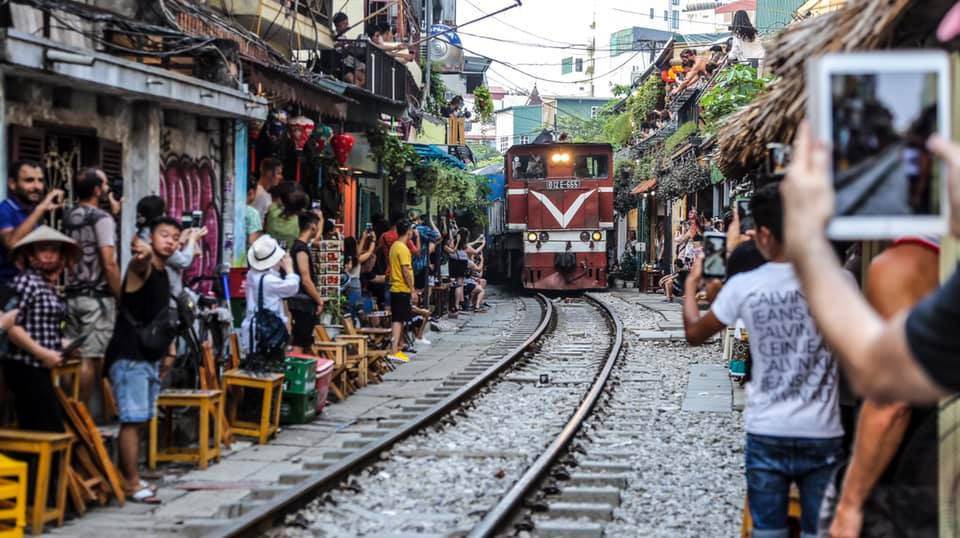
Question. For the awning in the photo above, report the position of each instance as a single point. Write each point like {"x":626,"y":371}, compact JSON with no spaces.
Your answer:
{"x":432,"y":152}
{"x":645,"y":186}
{"x":322,"y":95}
{"x":36,"y":57}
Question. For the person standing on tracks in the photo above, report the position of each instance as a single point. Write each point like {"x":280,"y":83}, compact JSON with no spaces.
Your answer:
{"x":401,"y":288}
{"x":94,"y":282}
{"x":792,"y":419}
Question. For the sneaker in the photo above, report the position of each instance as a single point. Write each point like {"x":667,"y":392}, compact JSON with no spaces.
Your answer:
{"x":400,"y":357}
{"x":422,"y":341}
{"x":409,"y":349}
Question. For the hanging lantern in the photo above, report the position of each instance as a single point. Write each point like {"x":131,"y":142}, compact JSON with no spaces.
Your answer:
{"x":326,"y":132}
{"x":300,"y":129}
{"x":342,"y":145}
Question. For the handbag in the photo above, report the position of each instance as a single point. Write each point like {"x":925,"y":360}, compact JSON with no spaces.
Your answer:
{"x":268,"y":337}
{"x":153,"y":338}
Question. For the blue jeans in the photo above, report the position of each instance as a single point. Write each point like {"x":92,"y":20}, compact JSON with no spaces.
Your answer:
{"x":136,"y":385}
{"x":772,"y":464}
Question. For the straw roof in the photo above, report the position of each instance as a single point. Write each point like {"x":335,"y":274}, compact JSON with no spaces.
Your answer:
{"x":775,"y":115}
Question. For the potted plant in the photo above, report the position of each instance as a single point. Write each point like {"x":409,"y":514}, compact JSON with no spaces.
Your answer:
{"x":332,"y":316}
{"x":628,"y":269}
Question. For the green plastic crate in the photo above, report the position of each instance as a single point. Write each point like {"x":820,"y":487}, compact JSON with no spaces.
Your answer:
{"x":300,"y":375}
{"x":298,"y":408}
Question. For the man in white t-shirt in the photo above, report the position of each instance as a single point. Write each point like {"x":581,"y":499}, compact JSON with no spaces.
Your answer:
{"x":271,"y":174}
{"x":792,"y":419}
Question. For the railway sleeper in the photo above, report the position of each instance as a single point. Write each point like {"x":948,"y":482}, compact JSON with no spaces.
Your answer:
{"x":576,"y":510}
{"x":568,"y":529}
{"x":588,"y":494}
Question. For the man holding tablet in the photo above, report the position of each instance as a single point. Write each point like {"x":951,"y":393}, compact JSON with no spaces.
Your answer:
{"x":911,"y":357}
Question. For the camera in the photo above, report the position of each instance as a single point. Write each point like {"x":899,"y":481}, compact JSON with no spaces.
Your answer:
{"x":116,"y":187}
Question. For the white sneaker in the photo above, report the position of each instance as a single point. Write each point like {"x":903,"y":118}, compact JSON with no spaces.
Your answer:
{"x":423,"y":341}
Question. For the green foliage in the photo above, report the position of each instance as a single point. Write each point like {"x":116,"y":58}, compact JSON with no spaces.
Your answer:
{"x":484,"y":155}
{"x":459,"y":189}
{"x":645,"y":100}
{"x":679,"y":136}
{"x":393,"y":156}
{"x":483,"y":104}
{"x":438,"y":94}
{"x":617,"y":129}
{"x":586,"y":129}
{"x":620,"y":90}
{"x":737,"y":85}
{"x":623,"y":182}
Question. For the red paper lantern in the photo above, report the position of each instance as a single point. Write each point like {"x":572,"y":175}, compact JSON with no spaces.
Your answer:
{"x":300,"y":129}
{"x":342,"y":145}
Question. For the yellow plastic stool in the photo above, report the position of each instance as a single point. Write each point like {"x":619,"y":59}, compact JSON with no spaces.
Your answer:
{"x":13,"y":496}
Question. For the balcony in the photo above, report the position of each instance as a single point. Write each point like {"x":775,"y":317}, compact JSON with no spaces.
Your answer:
{"x":362,"y":64}
{"x":276,"y":22}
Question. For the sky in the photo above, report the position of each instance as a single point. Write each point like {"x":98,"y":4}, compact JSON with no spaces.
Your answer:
{"x":548,"y":24}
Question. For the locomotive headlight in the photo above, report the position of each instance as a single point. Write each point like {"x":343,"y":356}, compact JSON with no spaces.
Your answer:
{"x":544,"y":236}
{"x":584,"y":236}
{"x":597,"y":236}
{"x":565,"y":157}
{"x":532,"y":236}
{"x":560,"y":157}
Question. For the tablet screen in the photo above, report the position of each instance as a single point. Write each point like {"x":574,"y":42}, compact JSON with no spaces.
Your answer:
{"x":880,"y":125}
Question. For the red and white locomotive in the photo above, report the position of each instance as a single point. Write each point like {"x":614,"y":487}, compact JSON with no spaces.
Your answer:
{"x":560,"y":199}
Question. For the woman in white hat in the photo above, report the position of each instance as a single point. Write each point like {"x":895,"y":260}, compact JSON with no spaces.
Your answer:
{"x":37,"y":336}
{"x":265,"y":259}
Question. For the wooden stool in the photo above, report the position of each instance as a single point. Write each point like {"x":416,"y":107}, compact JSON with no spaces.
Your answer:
{"x":793,"y":511}
{"x":272,"y":386}
{"x":68,"y":369}
{"x":337,"y":352}
{"x":209,"y":403}
{"x":45,"y":445}
{"x":13,"y":495}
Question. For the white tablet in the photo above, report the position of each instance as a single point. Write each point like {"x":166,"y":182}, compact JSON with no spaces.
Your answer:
{"x":876,"y":110}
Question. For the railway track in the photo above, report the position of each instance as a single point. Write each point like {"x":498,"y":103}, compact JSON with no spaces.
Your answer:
{"x":466,"y":457}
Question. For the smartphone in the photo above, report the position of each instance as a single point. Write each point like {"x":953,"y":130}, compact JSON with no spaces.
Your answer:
{"x":315,"y":205}
{"x":778,"y":158}
{"x":746,"y":216}
{"x":197,"y":219}
{"x":714,"y":255}
{"x":186,"y":221}
{"x":368,"y":227}
{"x":11,"y":299}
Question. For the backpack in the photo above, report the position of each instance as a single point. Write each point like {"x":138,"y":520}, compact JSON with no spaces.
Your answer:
{"x":82,"y":231}
{"x":154,"y":337}
{"x":268,"y":338}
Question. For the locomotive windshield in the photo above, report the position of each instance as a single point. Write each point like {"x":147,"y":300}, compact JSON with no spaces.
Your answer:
{"x":532,"y":166}
{"x":591,"y":166}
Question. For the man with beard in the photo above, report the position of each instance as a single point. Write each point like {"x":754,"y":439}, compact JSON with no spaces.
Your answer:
{"x":136,"y":370}
{"x":94,"y":281}
{"x":21,"y":212}
{"x":37,"y":337}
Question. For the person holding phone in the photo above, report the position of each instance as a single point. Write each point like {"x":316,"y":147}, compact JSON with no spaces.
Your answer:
{"x":23,"y":210}
{"x":792,"y":418}
{"x":306,"y":305}
{"x":37,"y":336}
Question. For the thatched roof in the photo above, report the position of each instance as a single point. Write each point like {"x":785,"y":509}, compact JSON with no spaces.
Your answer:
{"x":861,"y":25}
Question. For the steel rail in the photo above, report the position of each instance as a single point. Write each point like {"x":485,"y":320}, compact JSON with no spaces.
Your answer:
{"x":499,"y":515}
{"x":262,"y":518}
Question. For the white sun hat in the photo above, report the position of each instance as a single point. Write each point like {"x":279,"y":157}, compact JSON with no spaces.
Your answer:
{"x":264,"y":253}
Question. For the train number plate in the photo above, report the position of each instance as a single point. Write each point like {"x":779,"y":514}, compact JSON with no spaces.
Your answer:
{"x":562,"y":184}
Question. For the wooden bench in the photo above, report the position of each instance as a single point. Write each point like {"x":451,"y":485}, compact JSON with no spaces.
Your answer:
{"x":70,"y":369}
{"x":13,"y":496}
{"x":271,"y":385}
{"x":209,"y":404}
{"x":45,"y":445}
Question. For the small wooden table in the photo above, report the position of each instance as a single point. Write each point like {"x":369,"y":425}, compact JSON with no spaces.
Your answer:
{"x":209,"y":403}
{"x":45,"y":445}
{"x":649,"y":280}
{"x":271,"y":384}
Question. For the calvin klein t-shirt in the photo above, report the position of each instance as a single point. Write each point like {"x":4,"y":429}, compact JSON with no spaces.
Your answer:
{"x":793,"y":389}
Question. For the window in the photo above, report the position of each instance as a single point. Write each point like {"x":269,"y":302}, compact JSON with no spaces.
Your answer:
{"x":579,"y":65}
{"x":594,"y":110}
{"x":566,"y":66}
{"x":652,"y":14}
{"x":666,"y":15}
{"x":676,"y":20}
{"x":676,"y":2}
{"x":591,"y":166}
{"x":524,"y":139}
{"x":529,"y":166}
{"x":504,"y":143}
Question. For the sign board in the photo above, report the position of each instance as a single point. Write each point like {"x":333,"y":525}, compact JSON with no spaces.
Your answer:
{"x":562,"y":184}
{"x":641,"y":246}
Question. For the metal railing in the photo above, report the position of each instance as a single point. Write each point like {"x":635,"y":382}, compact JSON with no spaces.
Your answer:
{"x":362,"y":63}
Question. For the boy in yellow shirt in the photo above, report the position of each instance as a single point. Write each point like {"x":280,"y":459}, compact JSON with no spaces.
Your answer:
{"x":401,"y":288}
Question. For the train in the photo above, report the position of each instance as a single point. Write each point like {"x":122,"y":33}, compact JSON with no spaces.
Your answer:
{"x":549,"y":227}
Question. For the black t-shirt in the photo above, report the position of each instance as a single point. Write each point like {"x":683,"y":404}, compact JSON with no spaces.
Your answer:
{"x":143,"y":306}
{"x":933,"y":337}
{"x":745,"y":257}
{"x":302,"y":246}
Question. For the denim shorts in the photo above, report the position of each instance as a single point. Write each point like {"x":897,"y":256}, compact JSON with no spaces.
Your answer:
{"x":772,"y":464}
{"x":136,"y":385}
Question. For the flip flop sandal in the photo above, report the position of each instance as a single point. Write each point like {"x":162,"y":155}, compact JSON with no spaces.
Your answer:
{"x":145,"y":496}
{"x":145,"y":484}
